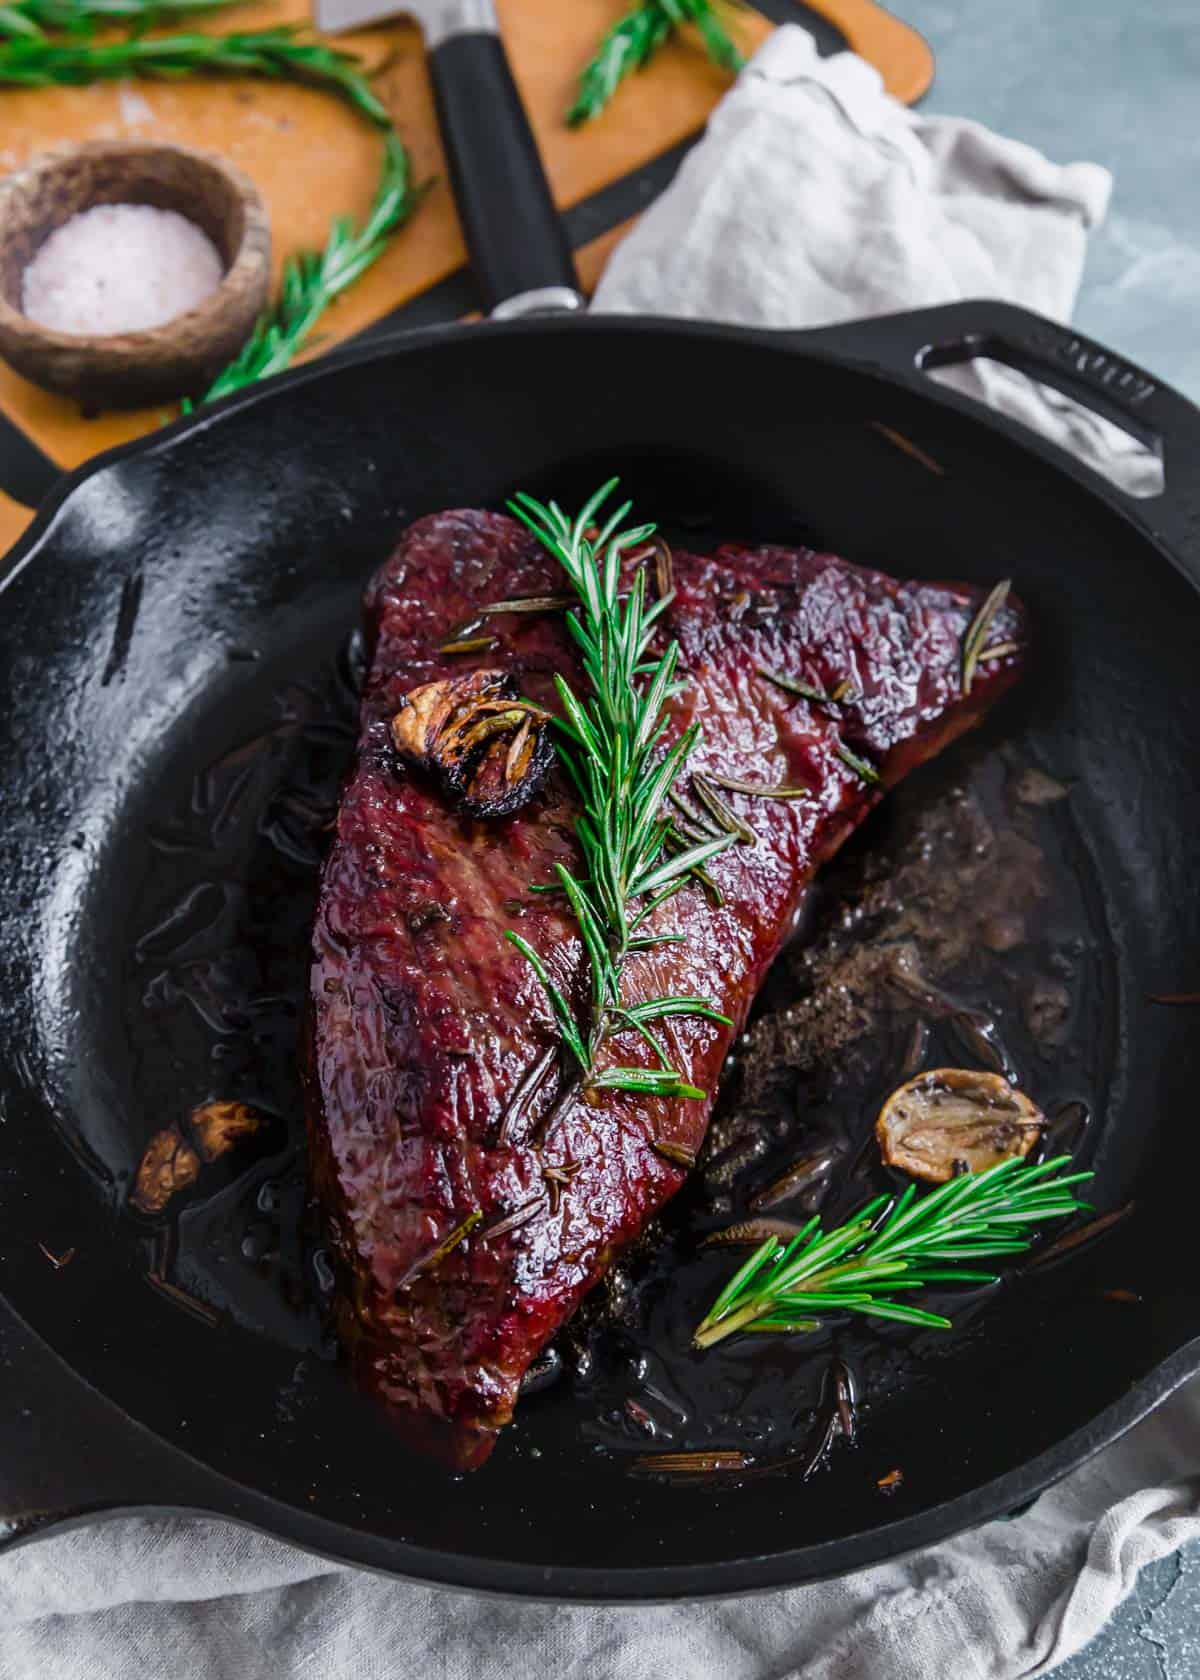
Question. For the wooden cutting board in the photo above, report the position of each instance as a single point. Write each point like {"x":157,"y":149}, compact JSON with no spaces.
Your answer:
{"x":313,"y":158}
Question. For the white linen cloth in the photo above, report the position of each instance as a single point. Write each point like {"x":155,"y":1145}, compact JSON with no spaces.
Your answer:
{"x":815,"y":198}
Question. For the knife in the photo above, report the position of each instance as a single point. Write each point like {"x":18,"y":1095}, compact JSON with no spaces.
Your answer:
{"x":518,"y":250}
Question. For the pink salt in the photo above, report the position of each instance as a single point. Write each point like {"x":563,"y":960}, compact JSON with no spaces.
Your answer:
{"x":120,"y":268}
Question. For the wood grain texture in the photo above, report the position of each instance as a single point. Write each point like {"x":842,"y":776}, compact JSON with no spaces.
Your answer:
{"x":311,"y":157}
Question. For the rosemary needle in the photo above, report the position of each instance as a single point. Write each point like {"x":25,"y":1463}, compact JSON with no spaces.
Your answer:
{"x":312,"y":280}
{"x":634,"y":39}
{"x":891,"y":1246}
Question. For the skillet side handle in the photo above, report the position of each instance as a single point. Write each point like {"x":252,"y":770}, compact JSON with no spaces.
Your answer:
{"x":514,"y":234}
{"x":1119,"y":391}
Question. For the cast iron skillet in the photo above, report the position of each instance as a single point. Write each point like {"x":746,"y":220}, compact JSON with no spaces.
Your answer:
{"x":165,"y":590}
{"x":178,"y":592}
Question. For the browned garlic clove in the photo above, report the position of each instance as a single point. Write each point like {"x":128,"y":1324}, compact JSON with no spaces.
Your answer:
{"x":952,"y":1120}
{"x":488,"y":749}
{"x":218,"y":1126}
{"x":168,"y":1164}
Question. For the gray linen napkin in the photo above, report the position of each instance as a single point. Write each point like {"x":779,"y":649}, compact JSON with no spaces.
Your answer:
{"x":815,"y":198}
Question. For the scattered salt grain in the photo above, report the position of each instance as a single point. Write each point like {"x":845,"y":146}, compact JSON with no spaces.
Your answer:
{"x":136,"y":112}
{"x":120,"y":268}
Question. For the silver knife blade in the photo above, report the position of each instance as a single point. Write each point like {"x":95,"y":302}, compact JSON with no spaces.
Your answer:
{"x":438,"y":19}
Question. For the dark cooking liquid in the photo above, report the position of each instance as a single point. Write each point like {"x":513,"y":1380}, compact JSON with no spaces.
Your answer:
{"x":958,"y":928}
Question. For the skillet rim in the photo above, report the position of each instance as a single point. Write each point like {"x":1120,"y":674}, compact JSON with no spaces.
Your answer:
{"x":891,"y":348}
{"x":646,"y":1584}
{"x":856,"y":347}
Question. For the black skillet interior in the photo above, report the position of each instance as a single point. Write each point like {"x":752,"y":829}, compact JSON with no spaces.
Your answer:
{"x":177,"y":603}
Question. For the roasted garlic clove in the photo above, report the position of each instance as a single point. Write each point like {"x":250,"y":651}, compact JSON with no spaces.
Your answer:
{"x":171,"y":1163}
{"x":168,"y":1164}
{"x":952,"y":1120}
{"x":218,"y":1126}
{"x":488,"y":749}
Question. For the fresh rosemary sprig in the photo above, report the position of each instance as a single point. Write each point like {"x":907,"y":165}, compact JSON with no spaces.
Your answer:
{"x":634,"y":39}
{"x":893,"y":1245}
{"x":32,"y":18}
{"x":279,"y":53}
{"x":628,"y":46}
{"x":609,"y":745}
{"x":313,"y":279}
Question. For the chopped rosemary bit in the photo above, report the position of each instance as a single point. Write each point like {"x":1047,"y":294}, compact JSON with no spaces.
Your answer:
{"x":978,"y":629}
{"x":907,"y":447}
{"x":525,"y":1092}
{"x":610,"y":744}
{"x":664,"y":570}
{"x":528,"y":604}
{"x":470,"y":644}
{"x":514,"y":1221}
{"x":893,"y":1245}
{"x":706,"y":1462}
{"x":698,"y":824}
{"x":1084,"y":1234}
{"x":463,"y":638}
{"x":191,"y":1304}
{"x":634,"y":39}
{"x":436,"y":1255}
{"x":676,"y":1153}
{"x":749,"y":1233}
{"x":720,"y":812}
{"x":793,"y":685}
{"x":801,"y":1175}
{"x":842,"y":693}
{"x":758,"y":790}
{"x":560,"y":1178}
{"x":860,"y":766}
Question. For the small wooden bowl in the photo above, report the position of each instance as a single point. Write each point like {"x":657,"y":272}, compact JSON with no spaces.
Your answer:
{"x":127,"y":370}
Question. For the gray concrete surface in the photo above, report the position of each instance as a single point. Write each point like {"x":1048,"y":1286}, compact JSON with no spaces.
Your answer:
{"x":1119,"y":84}
{"x":1156,"y":1633}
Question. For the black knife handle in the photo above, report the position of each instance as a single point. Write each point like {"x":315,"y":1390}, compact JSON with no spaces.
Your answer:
{"x":513,"y":231}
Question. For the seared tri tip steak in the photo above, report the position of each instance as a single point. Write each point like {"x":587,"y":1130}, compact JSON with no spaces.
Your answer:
{"x":426,"y":1022}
